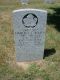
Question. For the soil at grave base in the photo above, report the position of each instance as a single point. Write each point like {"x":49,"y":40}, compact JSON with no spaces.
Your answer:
{"x":39,"y":79}
{"x":25,"y":65}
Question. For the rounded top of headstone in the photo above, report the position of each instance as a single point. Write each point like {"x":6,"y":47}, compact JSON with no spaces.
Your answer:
{"x":29,"y":9}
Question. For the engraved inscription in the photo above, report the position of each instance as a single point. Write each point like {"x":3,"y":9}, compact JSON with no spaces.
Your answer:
{"x":27,"y":37}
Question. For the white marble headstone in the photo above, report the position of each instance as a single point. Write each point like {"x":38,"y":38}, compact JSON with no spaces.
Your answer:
{"x":29,"y":33}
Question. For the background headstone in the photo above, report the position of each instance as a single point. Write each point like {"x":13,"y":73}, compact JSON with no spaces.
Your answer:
{"x":24,"y":1}
{"x":49,"y":1}
{"x":29,"y":33}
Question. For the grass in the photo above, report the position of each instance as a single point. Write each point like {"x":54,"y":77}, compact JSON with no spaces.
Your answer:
{"x":46,"y":69}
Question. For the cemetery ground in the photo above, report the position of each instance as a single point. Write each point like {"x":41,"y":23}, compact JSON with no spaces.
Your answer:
{"x":46,"y":69}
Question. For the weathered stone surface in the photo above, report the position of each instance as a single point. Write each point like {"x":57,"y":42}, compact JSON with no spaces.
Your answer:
{"x":29,"y":33}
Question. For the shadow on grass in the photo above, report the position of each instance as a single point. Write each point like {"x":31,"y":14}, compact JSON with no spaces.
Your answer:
{"x":54,"y":18}
{"x":48,"y":52}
